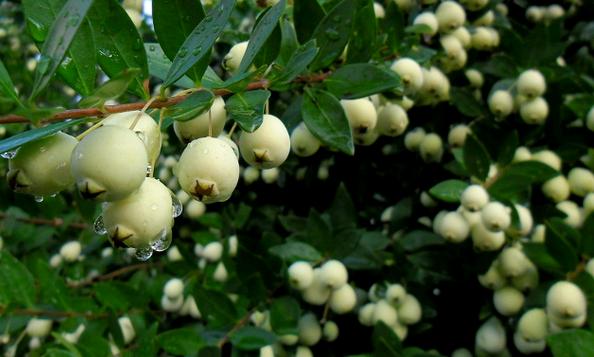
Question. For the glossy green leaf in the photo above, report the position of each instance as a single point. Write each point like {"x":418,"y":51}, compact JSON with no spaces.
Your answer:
{"x":116,"y":295}
{"x":289,"y":42}
{"x":185,"y":14}
{"x":293,"y":251}
{"x":78,"y":68}
{"x":247,"y":108}
{"x":571,"y":343}
{"x":111,"y":89}
{"x":216,"y":307}
{"x":325,"y":118}
{"x":307,"y":14}
{"x":24,"y":137}
{"x":465,"y":101}
{"x":119,"y":45}
{"x":449,"y":190}
{"x":16,"y":282}
{"x":420,"y":239}
{"x":332,"y":33}
{"x":284,"y":316}
{"x":181,"y":342}
{"x":476,"y":157}
{"x":196,"y":104}
{"x":364,"y":35}
{"x":297,"y":64}
{"x":252,"y":338}
{"x":6,"y":85}
{"x":385,"y":341}
{"x":199,"y":43}
{"x":539,"y":255}
{"x":61,"y":33}
{"x":587,"y":240}
{"x":159,"y":64}
{"x":362,"y":80}
{"x":263,"y":29}
{"x":518,"y":177}
{"x":559,"y":246}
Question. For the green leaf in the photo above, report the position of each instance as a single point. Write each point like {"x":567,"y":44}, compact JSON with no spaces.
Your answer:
{"x":252,"y":338}
{"x":247,"y":108}
{"x":61,"y":33}
{"x":293,"y":251}
{"x":119,"y":45}
{"x":571,"y":343}
{"x":370,"y":251}
{"x":16,"y":282}
{"x":364,"y":35}
{"x":289,"y":43}
{"x":580,"y":104}
{"x":449,"y":190}
{"x":587,"y":231}
{"x":6,"y":85}
{"x":56,"y":352}
{"x":518,"y":177}
{"x":185,"y":14}
{"x":159,"y":64}
{"x":559,"y":246}
{"x":307,"y":14}
{"x":111,"y":89}
{"x":181,"y":342}
{"x":385,"y":341}
{"x":342,"y":211}
{"x":24,"y":137}
{"x":196,"y":104}
{"x":539,"y":255}
{"x":362,"y":80}
{"x":116,"y":295}
{"x":260,"y":34}
{"x":216,"y":307}
{"x":199,"y":44}
{"x":466,"y":103}
{"x":324,"y":117}
{"x":297,"y":64}
{"x":419,"y":239}
{"x":284,"y":316}
{"x":476,"y":157}
{"x":332,"y":33}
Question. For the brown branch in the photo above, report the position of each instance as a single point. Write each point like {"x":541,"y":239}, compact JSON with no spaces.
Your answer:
{"x":244,"y":320}
{"x":114,"y":274}
{"x":52,"y":314}
{"x":56,"y":222}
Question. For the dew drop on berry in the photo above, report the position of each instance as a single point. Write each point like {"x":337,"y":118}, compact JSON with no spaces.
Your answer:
{"x":162,"y":241}
{"x":99,"y":226}
{"x":177,"y":206}
{"x":144,"y":254}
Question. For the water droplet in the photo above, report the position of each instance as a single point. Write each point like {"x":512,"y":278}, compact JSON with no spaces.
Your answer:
{"x":38,"y":199}
{"x":44,"y":64}
{"x":183,"y":52}
{"x":53,"y":195}
{"x":80,"y":156}
{"x":149,"y":170}
{"x":197,"y":50}
{"x":42,"y":149}
{"x":99,"y":226}
{"x":73,"y":20}
{"x":144,"y":253}
{"x":162,"y":241}
{"x":8,"y":155}
{"x":152,"y":48}
{"x":154,"y":206}
{"x":178,"y":208}
{"x":332,"y":34}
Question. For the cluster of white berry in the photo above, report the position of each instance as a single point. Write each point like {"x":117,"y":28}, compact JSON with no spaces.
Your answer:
{"x":173,"y":299}
{"x":526,"y":97}
{"x":545,"y":13}
{"x":212,"y":253}
{"x":69,"y":252}
{"x":392,"y":305}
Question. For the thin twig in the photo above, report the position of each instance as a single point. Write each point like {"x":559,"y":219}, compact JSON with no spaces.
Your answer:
{"x":114,"y":274}
{"x":244,"y":320}
{"x":52,"y":314}
{"x":56,"y":222}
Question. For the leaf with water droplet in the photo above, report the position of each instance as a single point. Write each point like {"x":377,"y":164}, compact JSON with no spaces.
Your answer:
{"x":111,"y":89}
{"x":24,"y":137}
{"x":247,"y":109}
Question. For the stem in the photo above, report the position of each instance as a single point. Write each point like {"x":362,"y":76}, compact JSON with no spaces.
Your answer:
{"x":89,"y":130}
{"x":210,"y":123}
{"x":244,"y":320}
{"x":158,"y":103}
{"x":232,"y":130}
{"x":142,"y":111}
{"x":114,"y":274}
{"x":56,"y":222}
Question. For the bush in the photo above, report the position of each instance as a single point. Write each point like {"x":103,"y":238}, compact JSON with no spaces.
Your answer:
{"x":308,"y":177}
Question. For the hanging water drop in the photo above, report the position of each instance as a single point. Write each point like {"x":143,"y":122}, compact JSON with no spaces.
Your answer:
{"x":8,"y":155}
{"x":332,"y":34}
{"x":177,"y":206}
{"x":143,"y":254}
{"x":149,"y":170}
{"x":99,"y":226}
{"x":162,"y":241}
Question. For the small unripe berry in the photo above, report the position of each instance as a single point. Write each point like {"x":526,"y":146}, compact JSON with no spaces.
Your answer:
{"x":71,"y":251}
{"x":343,"y":299}
{"x":309,"y":328}
{"x":233,"y":245}
{"x":334,"y":274}
{"x":548,"y":157}
{"x":474,"y":198}
{"x":413,"y":139}
{"x":484,"y":38}
{"x":450,"y":15}
{"x":508,"y":301}
{"x":453,"y":227}
{"x":395,"y":294}
{"x":109,"y":163}
{"x":330,"y":331}
{"x":267,"y":351}
{"x":554,"y":11}
{"x":475,"y":78}
{"x":534,"y":111}
{"x":526,"y":222}
{"x":300,"y":275}
{"x":365,"y":315}
{"x":410,"y":73}
{"x":55,"y":260}
{"x":528,"y":346}
{"x":270,"y":176}
{"x":212,"y":252}
{"x":42,"y":167}
{"x":361,"y":114}
{"x":409,"y":312}
{"x":556,"y":188}
{"x":535,"y":13}
{"x":288,"y":340}
{"x":486,"y":19}
{"x":533,"y":325}
{"x":174,"y":255}
{"x":531,"y":83}
{"x":501,"y":103}
{"x":213,"y":119}
{"x":194,"y":209}
{"x":490,"y":337}
{"x":303,"y":142}
{"x":427,"y":18}
{"x":457,"y":135}
{"x":495,"y":216}
{"x":581,"y":181}
{"x":220,"y":274}
{"x":538,"y":236}
{"x":492,"y":279}
{"x":392,"y":120}
{"x":573,"y":211}
{"x":565,"y":302}
{"x":431,"y":148}
{"x":250,"y":175}
{"x":233,"y":58}
{"x":268,"y":146}
{"x":38,"y":327}
{"x":174,"y":288}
